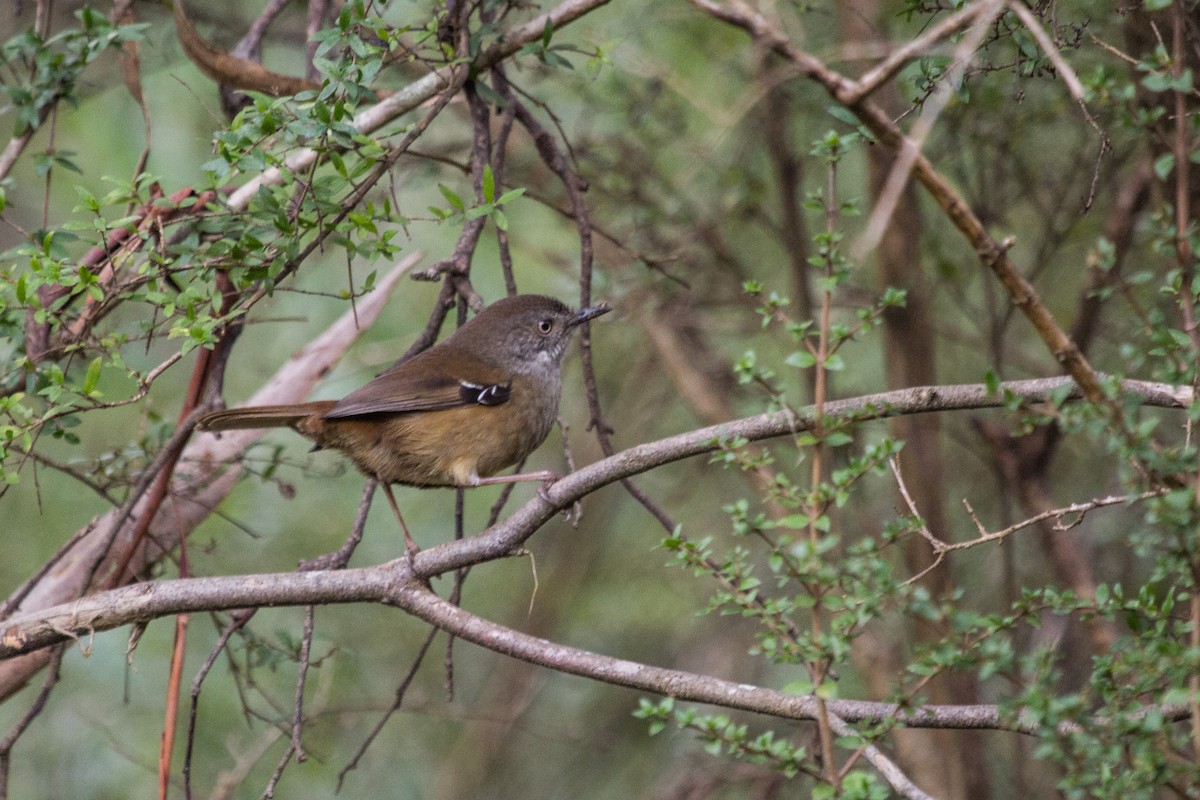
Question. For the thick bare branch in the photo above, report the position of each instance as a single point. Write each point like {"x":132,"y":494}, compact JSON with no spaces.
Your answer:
{"x":41,"y":625}
{"x":395,"y":584}
{"x":501,"y":539}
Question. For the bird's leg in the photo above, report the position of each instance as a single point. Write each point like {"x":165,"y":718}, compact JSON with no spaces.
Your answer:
{"x":410,"y":546}
{"x":545,"y":477}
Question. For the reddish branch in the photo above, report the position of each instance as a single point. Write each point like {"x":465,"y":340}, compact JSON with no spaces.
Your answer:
{"x":232,"y":70}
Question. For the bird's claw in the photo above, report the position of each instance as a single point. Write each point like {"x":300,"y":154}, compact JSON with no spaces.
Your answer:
{"x":543,"y":490}
{"x":410,"y":553}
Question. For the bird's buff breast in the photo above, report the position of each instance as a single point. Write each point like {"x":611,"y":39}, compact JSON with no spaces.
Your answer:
{"x":453,"y":447}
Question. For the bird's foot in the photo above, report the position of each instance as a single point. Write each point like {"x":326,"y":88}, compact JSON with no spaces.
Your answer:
{"x":543,"y":489}
{"x":410,"y":551}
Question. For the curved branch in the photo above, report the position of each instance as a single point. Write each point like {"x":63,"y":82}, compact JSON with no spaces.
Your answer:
{"x":501,"y":539}
{"x":420,"y":601}
{"x":228,"y":69}
{"x":37,"y":628}
{"x":395,"y":584}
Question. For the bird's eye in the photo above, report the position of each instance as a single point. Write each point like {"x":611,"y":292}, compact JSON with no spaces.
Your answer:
{"x":546,"y":325}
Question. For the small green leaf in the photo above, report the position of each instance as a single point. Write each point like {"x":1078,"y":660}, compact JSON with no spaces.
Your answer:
{"x":451,"y":197}
{"x":801,"y":359}
{"x":1163,"y":165}
{"x":93,"y":377}
{"x":489,"y":184}
{"x":511,"y":194}
{"x":842,"y":114}
{"x":89,"y":200}
{"x":838,"y":439}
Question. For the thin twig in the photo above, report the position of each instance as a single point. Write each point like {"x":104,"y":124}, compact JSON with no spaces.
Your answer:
{"x":236,"y":623}
{"x":1057,"y":514}
{"x":305,"y":655}
{"x":935,"y":542}
{"x":401,"y":691}
{"x":897,"y":180}
{"x":897,"y":59}
{"x":31,"y":713}
{"x":1074,"y":85}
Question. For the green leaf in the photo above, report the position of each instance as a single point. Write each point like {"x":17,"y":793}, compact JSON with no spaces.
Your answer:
{"x":1163,"y":165}
{"x":794,"y":521}
{"x":451,"y":197}
{"x":93,"y":376}
{"x":89,"y":200}
{"x":842,"y":114}
{"x":511,"y":194}
{"x":838,"y":439}
{"x":489,"y":184}
{"x":801,"y":359}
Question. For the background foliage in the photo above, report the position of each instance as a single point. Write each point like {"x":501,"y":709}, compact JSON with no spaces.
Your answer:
{"x":1023,"y":571}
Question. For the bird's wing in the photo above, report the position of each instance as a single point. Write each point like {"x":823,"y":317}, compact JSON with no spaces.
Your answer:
{"x":425,"y":383}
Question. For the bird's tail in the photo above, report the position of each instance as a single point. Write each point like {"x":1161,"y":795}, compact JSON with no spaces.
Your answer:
{"x":261,"y":416}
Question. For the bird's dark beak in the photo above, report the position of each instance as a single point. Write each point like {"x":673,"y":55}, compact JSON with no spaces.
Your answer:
{"x":584,"y":314}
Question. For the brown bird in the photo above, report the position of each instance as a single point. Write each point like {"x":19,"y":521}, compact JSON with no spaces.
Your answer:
{"x":453,"y":415}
